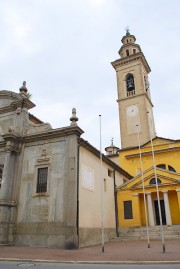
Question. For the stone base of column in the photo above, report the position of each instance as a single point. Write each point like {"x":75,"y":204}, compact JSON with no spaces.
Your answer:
{"x":7,"y":225}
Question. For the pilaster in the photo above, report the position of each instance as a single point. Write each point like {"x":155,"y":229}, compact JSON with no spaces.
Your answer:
{"x":167,"y":208}
{"x":136,"y":209}
{"x":150,"y":209}
{"x":7,"y":205}
{"x":178,"y":196}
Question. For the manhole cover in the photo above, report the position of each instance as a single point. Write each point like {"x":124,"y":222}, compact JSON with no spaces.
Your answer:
{"x":26,"y":264}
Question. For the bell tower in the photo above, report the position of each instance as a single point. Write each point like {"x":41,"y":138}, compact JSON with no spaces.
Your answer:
{"x":134,"y":100}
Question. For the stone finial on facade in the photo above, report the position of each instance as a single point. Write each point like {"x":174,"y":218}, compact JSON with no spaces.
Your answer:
{"x":23,"y":88}
{"x":73,"y":118}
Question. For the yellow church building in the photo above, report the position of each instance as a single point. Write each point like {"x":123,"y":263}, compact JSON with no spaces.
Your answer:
{"x":153,"y":193}
{"x":131,"y":194}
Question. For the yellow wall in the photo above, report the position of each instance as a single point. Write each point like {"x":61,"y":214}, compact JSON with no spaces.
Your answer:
{"x":174,"y":207}
{"x":127,"y":196}
{"x":165,"y":153}
{"x":139,"y":209}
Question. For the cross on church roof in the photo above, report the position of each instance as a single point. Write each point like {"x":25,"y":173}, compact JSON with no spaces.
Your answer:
{"x":127,"y":30}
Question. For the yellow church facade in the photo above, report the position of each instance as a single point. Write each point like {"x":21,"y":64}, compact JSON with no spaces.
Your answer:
{"x":132,"y":195}
{"x":152,"y":196}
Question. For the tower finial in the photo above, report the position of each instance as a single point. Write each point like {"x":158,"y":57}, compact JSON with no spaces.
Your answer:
{"x":127,"y":30}
{"x":73,"y":118}
{"x":23,"y":88}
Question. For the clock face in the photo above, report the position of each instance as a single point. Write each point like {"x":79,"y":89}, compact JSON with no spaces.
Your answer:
{"x":132,"y":111}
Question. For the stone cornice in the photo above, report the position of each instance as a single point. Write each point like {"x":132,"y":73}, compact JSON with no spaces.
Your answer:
{"x":150,"y":152}
{"x":8,"y":203}
{"x":15,"y":104}
{"x":11,"y":136}
{"x":155,"y":145}
{"x":132,"y":58}
{"x":16,"y":101}
{"x":54,"y":133}
{"x":137,"y":95}
{"x":2,"y":143}
{"x":129,"y":45}
{"x":160,"y":186}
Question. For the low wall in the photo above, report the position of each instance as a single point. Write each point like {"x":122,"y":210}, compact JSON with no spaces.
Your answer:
{"x":52,"y":235}
{"x":92,"y":236}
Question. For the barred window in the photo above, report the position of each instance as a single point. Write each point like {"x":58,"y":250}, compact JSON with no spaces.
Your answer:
{"x":42,"y":180}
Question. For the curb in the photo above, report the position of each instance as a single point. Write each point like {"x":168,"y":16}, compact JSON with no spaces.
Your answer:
{"x":88,"y":262}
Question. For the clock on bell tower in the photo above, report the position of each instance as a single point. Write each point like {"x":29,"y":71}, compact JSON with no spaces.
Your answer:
{"x":134,"y":100}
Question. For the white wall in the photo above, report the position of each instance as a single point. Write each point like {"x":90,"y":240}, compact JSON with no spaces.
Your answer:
{"x":90,"y":192}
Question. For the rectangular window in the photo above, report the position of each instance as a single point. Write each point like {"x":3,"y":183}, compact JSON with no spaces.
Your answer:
{"x":42,"y":180}
{"x":110,"y":173}
{"x":128,"y":214}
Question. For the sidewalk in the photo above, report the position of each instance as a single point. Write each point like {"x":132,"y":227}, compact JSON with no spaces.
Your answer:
{"x":115,"y":252}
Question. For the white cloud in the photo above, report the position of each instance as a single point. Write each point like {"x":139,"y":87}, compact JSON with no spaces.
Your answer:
{"x":63,"y":49}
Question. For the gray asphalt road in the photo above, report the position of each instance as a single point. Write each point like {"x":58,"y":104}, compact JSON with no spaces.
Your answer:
{"x":13,"y":265}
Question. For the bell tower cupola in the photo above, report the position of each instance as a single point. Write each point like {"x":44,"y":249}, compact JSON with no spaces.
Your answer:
{"x":129,"y":47}
{"x":134,"y":100}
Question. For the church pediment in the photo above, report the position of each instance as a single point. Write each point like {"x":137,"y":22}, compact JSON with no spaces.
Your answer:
{"x":158,"y":141}
{"x":164,"y":177}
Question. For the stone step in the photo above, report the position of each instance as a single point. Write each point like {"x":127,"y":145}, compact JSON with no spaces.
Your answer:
{"x":170,"y":232}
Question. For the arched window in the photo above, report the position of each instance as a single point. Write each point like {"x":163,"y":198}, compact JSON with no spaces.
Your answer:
{"x":170,"y":168}
{"x":134,"y":51}
{"x":130,"y":83}
{"x":153,"y":181}
{"x":162,"y":166}
{"x":127,"y":52}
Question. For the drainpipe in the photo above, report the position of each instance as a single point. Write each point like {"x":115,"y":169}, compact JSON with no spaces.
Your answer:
{"x":78,"y":168}
{"x":115,"y":203}
{"x":77,"y":217}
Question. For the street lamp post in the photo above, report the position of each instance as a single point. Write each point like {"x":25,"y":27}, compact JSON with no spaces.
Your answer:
{"x":101,"y":180}
{"x":157,"y":188}
{"x":144,"y":195}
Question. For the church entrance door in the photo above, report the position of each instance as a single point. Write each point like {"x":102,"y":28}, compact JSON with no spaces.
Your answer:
{"x":163,"y":214}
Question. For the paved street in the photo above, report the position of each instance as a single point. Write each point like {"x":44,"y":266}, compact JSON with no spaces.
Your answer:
{"x":115,"y":253}
{"x":13,"y":265}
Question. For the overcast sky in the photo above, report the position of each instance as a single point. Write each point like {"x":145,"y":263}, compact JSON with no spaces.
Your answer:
{"x":63,"y":49}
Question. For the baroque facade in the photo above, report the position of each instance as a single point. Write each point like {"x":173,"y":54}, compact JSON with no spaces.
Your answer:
{"x":50,"y":180}
{"x":152,"y":161}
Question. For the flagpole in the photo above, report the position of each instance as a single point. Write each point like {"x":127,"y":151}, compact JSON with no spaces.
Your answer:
{"x":157,"y":188}
{"x":101,"y":180}
{"x":144,"y":195}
